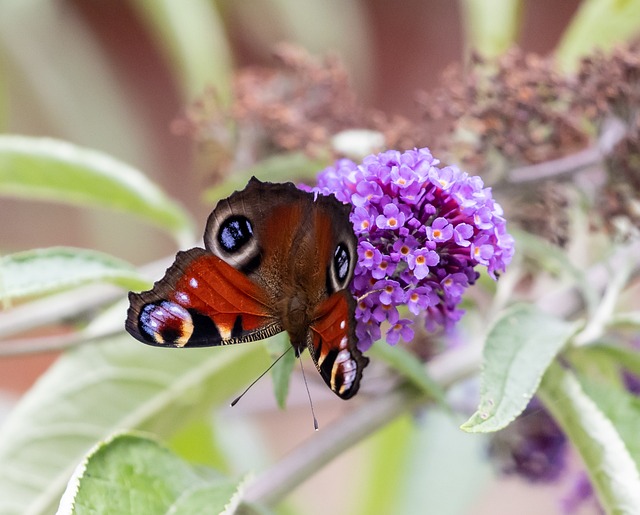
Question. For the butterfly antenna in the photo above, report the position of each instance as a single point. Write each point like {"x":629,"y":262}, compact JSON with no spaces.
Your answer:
{"x":235,"y":401}
{"x":313,"y":413}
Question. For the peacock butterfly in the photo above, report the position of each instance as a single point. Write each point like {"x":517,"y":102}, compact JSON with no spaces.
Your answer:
{"x":276,"y":259}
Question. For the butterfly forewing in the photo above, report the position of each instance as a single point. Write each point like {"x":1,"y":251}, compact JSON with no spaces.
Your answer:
{"x":332,"y":345}
{"x":201,"y":301}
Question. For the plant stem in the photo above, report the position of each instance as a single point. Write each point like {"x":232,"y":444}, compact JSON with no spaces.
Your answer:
{"x":613,"y":132}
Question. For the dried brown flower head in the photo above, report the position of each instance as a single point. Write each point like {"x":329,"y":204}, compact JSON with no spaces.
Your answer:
{"x":609,"y":83}
{"x":542,"y":210}
{"x":298,"y":104}
{"x":510,"y":112}
{"x":621,"y":209}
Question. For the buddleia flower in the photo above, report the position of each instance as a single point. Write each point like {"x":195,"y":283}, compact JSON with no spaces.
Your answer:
{"x":423,"y":231}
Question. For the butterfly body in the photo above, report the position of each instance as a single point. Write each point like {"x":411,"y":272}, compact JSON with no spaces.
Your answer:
{"x":276,"y":259}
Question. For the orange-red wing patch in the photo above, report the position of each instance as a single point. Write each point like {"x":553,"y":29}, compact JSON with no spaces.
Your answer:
{"x":201,"y":301}
{"x":333,"y":347}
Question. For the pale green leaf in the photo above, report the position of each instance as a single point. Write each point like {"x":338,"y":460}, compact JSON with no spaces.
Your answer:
{"x":518,"y":350}
{"x":96,"y":390}
{"x":280,"y":349}
{"x":193,"y":38}
{"x":410,"y":367}
{"x":278,"y":168}
{"x":609,"y":464}
{"x":627,"y":358}
{"x":442,"y":459}
{"x":80,"y":97}
{"x":630,"y":319}
{"x":592,"y":362}
{"x":4,"y":98}
{"x":196,"y":442}
{"x":491,"y":26}
{"x":387,"y":450}
{"x":47,"y":169}
{"x":620,"y":407}
{"x":42,"y":271}
{"x":318,"y":26}
{"x":222,"y":497}
{"x":597,"y":24}
{"x":133,"y":474}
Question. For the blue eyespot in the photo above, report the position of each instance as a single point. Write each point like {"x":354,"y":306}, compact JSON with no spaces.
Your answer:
{"x":235,"y":232}
{"x":341,"y":262}
{"x":166,"y":323}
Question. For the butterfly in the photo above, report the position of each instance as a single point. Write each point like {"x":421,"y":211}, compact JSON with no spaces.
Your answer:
{"x":276,"y":258}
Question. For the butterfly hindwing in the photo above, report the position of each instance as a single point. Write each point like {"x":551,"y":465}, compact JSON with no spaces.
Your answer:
{"x":201,"y":301}
{"x":332,"y":345}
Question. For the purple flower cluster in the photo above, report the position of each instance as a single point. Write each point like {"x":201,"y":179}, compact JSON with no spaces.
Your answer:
{"x":422,"y":231}
{"x":532,"y":447}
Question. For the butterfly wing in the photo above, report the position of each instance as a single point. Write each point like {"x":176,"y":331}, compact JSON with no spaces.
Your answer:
{"x":200,"y":302}
{"x":332,"y":345}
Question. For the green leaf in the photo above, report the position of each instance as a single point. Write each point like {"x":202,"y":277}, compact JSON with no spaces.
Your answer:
{"x":93,"y":391}
{"x":193,"y":37}
{"x":442,"y":456}
{"x":620,"y":407}
{"x":80,"y":97}
{"x":491,"y":27}
{"x":222,"y":498}
{"x":42,"y":271}
{"x":132,"y":474}
{"x":609,"y":464}
{"x":47,"y":169}
{"x":630,"y":319}
{"x":518,"y":350}
{"x":410,"y":367}
{"x":627,"y":358}
{"x":594,"y":364}
{"x":315,"y":25}
{"x":280,"y":348}
{"x":278,"y":168}
{"x":4,"y":97}
{"x":597,"y":24}
{"x":196,"y":442}
{"x":387,"y":450}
